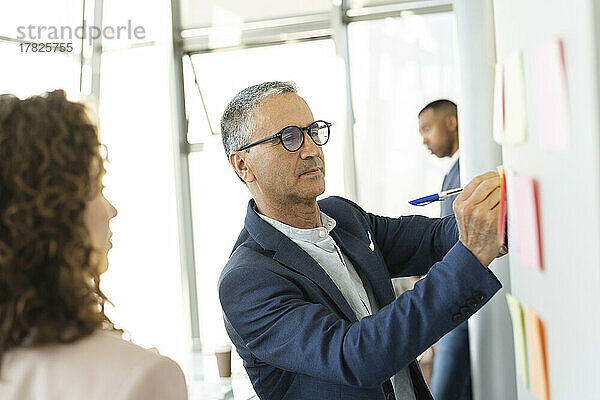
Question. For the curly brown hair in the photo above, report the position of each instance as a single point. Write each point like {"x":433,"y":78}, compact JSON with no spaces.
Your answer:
{"x":50,"y":167}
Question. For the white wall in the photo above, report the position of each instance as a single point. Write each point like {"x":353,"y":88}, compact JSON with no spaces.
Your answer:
{"x":565,"y":294}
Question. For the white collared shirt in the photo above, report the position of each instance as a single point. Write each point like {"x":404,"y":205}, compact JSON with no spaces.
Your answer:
{"x":453,"y":159}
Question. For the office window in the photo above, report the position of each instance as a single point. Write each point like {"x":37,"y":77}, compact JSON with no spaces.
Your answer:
{"x":37,"y":13}
{"x":144,"y":277}
{"x":138,"y":22}
{"x":29,"y":73}
{"x":382,"y":4}
{"x":32,"y":35}
{"x":397,"y":66}
{"x":196,"y":14}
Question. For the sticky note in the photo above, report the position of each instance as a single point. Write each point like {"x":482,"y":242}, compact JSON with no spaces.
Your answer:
{"x":516,"y":316}
{"x":538,"y":368}
{"x":525,"y":216}
{"x":498,"y":111}
{"x":551,"y":98}
{"x":502,"y":207}
{"x":515,"y":121}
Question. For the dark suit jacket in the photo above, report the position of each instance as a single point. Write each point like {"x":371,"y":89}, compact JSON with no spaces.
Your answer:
{"x":451,"y":181}
{"x":297,"y":335}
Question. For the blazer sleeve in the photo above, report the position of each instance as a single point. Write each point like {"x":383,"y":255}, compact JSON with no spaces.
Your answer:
{"x":410,"y":245}
{"x":158,"y":379}
{"x":281,"y":327}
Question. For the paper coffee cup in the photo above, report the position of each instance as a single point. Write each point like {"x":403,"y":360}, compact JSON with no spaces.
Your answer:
{"x":223,"y":354}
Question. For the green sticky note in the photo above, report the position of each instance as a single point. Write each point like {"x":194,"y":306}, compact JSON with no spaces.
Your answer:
{"x":518,"y":326}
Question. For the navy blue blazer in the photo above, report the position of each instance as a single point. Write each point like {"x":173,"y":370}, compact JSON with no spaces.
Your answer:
{"x":297,"y":335}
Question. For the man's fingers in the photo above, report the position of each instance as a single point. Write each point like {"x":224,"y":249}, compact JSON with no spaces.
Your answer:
{"x":492,"y":201}
{"x":484,"y":189}
{"x":475,"y":182}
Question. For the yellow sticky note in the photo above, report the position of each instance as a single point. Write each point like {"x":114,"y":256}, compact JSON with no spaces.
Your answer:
{"x":516,"y":315}
{"x":537,"y":355}
{"x":498,"y":114}
{"x":515,"y":116}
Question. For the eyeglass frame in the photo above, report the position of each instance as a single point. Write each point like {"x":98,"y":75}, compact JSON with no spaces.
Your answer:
{"x":280,"y":133}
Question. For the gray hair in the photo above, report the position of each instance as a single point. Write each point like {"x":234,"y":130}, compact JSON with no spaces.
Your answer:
{"x":237,"y":124}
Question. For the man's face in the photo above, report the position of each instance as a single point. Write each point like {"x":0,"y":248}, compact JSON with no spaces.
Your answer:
{"x":434,"y":129}
{"x":278,"y":176}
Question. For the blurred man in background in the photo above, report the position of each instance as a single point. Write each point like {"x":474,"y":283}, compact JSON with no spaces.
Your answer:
{"x":451,"y":376}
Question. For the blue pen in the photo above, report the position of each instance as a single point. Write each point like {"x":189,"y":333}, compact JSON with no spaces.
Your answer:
{"x":423,"y":201}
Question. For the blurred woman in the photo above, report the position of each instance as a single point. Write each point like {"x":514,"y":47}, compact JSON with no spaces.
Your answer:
{"x":56,"y":342}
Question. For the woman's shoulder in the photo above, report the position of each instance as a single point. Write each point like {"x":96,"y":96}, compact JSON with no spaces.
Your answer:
{"x":110,"y":342}
{"x":102,"y":350}
{"x":111,"y":347}
{"x":150,"y":375}
{"x":99,"y":365}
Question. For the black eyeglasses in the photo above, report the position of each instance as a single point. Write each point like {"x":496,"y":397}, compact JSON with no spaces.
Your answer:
{"x":292,"y":137}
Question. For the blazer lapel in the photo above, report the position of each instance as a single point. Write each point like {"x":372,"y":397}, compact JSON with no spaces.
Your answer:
{"x":363,"y":256}
{"x":292,"y":256}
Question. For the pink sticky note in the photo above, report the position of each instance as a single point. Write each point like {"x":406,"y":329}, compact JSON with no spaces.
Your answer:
{"x":510,"y":211}
{"x":552,"y":102}
{"x":502,"y":207}
{"x":498,"y":114}
{"x":526,"y":218}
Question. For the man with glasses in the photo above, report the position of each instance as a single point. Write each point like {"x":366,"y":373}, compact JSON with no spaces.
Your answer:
{"x":307,"y":294}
